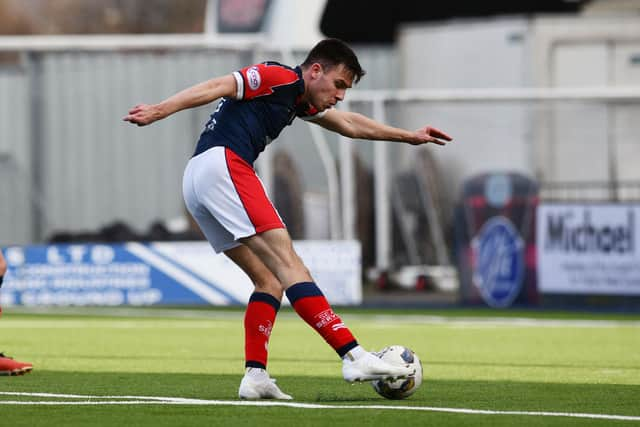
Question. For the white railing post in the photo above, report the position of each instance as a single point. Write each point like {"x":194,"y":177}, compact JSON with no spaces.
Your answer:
{"x":347,"y":185}
{"x":381,"y":192}
{"x":327,"y":161}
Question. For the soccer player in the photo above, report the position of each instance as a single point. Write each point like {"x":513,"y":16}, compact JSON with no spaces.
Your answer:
{"x":229,"y":203}
{"x":8,"y":366}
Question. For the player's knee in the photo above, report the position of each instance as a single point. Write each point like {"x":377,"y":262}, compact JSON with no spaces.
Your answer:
{"x":304,"y":270}
{"x":297,"y":271}
{"x":297,"y":266}
{"x":271,"y":287}
{"x":302,"y":267}
{"x":291,"y":261}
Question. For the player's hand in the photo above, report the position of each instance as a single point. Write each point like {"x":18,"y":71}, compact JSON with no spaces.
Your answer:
{"x":143,"y":114}
{"x":430,"y":134}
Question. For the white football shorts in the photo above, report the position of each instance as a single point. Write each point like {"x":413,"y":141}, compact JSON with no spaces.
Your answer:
{"x":226,"y":198}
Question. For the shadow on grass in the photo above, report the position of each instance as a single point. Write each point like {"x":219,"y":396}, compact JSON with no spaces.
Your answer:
{"x":497,"y":395}
{"x":231,"y":359}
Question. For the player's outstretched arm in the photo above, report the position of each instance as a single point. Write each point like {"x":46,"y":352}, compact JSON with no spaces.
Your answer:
{"x":200,"y":94}
{"x":355,"y":125}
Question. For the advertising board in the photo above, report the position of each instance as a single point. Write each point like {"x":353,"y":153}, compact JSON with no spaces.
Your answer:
{"x":176,"y":273}
{"x":588,"y":249}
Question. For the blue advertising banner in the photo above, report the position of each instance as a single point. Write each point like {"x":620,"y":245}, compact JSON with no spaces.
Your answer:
{"x":185,"y":273}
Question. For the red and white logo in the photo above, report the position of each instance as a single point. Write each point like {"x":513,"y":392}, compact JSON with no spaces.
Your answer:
{"x":253,"y":76}
{"x":266,"y":330}
{"x":337,"y":326}
{"x":325,"y":318}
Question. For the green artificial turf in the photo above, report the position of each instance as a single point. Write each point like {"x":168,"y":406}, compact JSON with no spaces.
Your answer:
{"x":470,"y":360}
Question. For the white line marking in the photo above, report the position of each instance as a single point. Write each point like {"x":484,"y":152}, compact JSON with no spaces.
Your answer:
{"x":157,"y":400}
{"x":82,"y":403}
{"x":115,"y":324}
{"x":85,"y":396}
{"x":484,"y":322}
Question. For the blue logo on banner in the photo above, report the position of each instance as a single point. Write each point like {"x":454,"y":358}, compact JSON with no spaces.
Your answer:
{"x":498,"y":262}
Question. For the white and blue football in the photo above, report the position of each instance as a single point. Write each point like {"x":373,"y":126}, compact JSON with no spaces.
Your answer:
{"x":399,"y":389}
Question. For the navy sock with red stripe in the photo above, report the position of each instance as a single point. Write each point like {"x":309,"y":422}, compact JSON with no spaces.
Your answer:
{"x":258,"y":322}
{"x":310,"y":304}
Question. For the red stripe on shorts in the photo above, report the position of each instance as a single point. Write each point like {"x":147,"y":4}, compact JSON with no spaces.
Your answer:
{"x":256,"y":203}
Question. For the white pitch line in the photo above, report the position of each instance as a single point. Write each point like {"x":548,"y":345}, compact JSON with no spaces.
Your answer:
{"x":157,"y":400}
{"x":85,"y":396}
{"x":85,"y":403}
{"x":478,"y":322}
{"x":115,"y":324}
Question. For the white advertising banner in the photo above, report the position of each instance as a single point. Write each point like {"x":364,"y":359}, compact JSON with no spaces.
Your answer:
{"x":588,"y":249}
{"x":335,"y":266}
{"x":175,"y":273}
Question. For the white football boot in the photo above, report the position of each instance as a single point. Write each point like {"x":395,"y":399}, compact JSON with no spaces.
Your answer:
{"x":360,"y":365}
{"x":256,"y":384}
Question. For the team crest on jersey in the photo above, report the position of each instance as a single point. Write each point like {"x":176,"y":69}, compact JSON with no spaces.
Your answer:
{"x":253,"y":75}
{"x":498,"y":262}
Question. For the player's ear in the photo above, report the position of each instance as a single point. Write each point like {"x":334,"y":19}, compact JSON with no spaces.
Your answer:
{"x":316,"y":70}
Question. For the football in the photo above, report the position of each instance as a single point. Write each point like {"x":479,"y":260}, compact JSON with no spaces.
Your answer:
{"x":403,"y":388}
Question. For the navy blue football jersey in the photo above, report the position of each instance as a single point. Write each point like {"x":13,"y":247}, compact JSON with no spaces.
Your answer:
{"x":267,"y":99}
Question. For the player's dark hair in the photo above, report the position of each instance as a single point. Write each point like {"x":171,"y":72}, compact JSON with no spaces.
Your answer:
{"x":333,"y":52}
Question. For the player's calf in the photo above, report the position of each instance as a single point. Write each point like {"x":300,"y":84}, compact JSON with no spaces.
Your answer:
{"x":310,"y":304}
{"x":259,"y":320}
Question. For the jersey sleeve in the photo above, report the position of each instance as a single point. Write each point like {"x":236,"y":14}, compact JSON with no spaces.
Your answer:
{"x":260,"y":79}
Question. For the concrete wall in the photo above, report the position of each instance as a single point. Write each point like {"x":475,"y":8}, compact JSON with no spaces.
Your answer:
{"x":469,"y":54}
{"x":93,"y":168}
{"x":15,"y":157}
{"x":540,"y":139}
{"x":589,"y":52}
